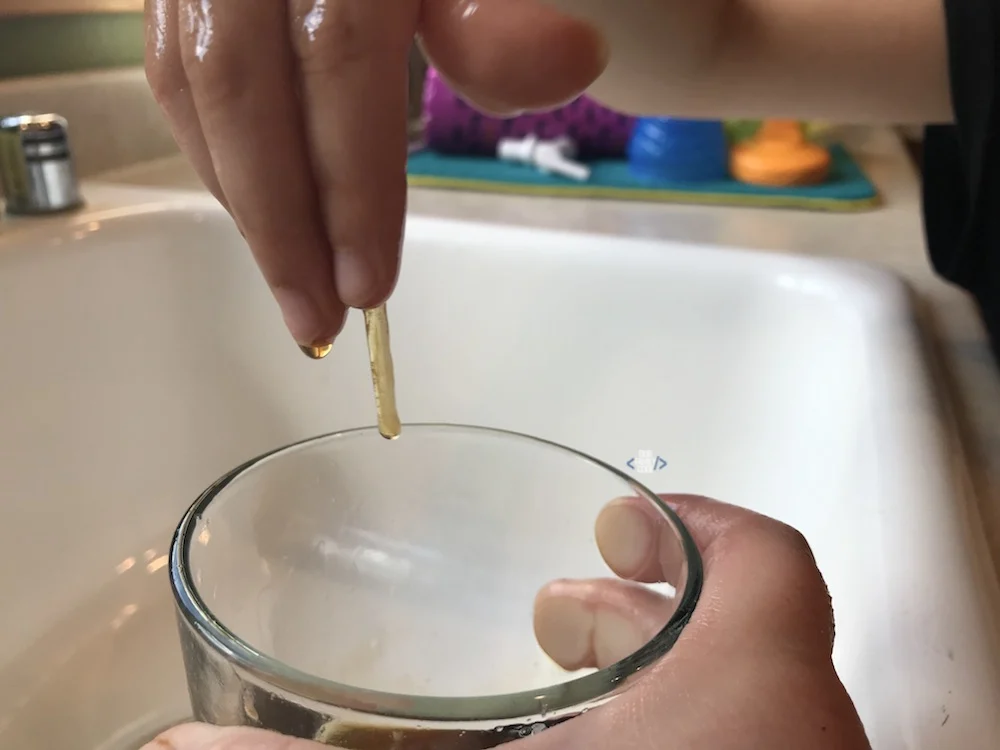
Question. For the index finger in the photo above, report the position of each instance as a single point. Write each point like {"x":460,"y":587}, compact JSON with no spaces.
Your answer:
{"x":240,"y":70}
{"x":353,"y":60}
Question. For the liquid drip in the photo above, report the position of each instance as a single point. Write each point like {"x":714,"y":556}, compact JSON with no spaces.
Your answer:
{"x":383,"y":379}
{"x":316,"y":352}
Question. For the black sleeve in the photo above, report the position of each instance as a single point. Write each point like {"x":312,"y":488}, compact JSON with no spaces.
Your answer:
{"x":961,"y":185}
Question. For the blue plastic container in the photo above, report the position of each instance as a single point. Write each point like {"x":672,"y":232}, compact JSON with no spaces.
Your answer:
{"x":666,"y":149}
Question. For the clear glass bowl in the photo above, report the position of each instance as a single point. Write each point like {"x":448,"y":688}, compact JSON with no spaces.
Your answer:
{"x":348,"y":586}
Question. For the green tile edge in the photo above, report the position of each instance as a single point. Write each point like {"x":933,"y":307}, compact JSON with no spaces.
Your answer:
{"x":40,"y":45}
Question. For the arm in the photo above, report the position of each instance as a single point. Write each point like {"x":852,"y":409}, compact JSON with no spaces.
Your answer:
{"x":849,"y":60}
{"x":316,"y":102}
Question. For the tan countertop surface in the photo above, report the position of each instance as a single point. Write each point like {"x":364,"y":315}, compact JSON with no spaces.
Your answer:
{"x":891,"y":235}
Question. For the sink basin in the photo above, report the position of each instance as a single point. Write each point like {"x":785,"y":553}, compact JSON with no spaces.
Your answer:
{"x":143,"y":357}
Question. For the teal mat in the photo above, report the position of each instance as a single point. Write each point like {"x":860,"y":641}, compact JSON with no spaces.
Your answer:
{"x":848,"y":188}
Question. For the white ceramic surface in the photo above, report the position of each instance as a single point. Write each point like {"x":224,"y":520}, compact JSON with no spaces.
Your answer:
{"x":142,"y":357}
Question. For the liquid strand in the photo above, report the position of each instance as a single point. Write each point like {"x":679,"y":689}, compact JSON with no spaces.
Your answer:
{"x":383,"y":379}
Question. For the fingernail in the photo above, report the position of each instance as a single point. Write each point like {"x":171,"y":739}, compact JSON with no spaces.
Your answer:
{"x":564,"y":628}
{"x":615,"y":637}
{"x":187,"y":737}
{"x":625,"y":536}
{"x":302,"y":317}
{"x":356,"y":278}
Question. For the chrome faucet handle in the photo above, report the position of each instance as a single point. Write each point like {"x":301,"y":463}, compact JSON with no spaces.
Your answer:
{"x":36,"y":165}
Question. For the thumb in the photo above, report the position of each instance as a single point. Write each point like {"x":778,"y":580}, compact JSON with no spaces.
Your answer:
{"x":760,"y":574}
{"x":208,"y":737}
{"x":511,"y":55}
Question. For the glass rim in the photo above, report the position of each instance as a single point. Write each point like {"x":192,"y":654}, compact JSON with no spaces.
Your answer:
{"x":572,"y":696}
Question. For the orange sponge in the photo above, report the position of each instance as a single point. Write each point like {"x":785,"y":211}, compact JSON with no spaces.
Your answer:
{"x":779,"y":155}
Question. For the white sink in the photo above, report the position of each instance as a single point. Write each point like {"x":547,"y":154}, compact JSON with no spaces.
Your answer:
{"x":143,"y":357}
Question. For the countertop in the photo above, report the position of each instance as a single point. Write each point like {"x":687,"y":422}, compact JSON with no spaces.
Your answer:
{"x":891,"y":235}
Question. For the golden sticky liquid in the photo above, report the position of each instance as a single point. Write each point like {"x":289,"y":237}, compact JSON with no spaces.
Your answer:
{"x":343,"y":734}
{"x":316,"y":352}
{"x":383,"y":379}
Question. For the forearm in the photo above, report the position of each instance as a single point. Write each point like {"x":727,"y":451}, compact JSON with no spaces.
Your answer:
{"x":846,"y":60}
{"x":849,"y":60}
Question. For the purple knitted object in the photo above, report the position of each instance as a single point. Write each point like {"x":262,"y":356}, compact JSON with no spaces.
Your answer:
{"x":454,"y":127}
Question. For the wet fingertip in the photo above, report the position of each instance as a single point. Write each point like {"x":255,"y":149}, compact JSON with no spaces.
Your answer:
{"x":311,"y":326}
{"x":302,"y":315}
